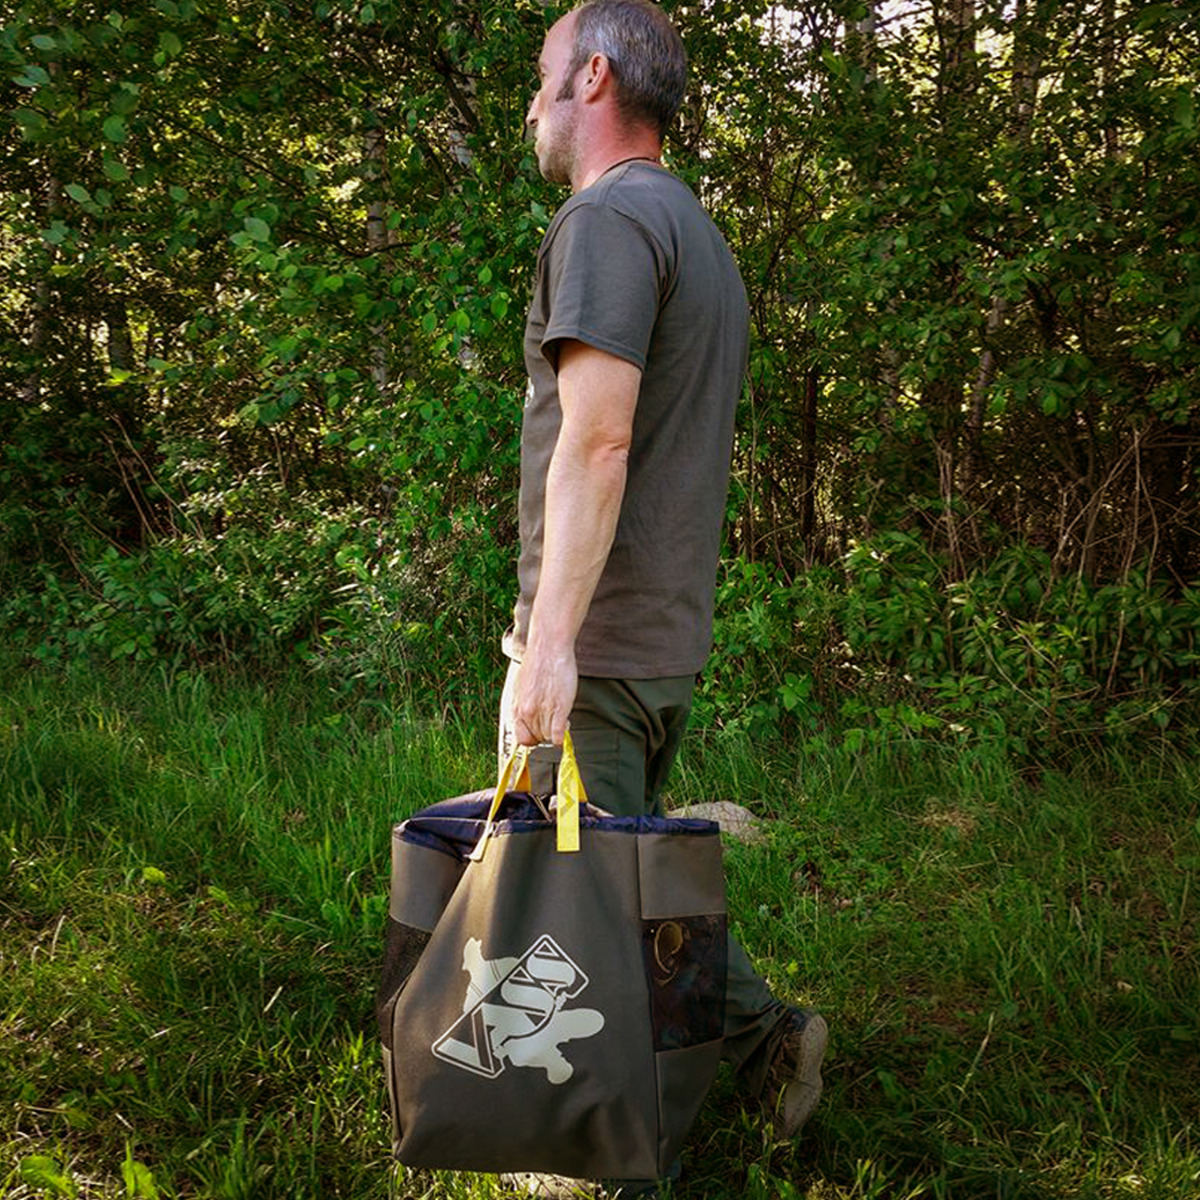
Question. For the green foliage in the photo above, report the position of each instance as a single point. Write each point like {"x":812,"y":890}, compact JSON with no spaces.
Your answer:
{"x":895,"y":648}
{"x":1002,"y":291}
{"x":241,"y":324}
{"x":263,"y":272}
{"x":774,"y":644}
{"x":245,"y":592}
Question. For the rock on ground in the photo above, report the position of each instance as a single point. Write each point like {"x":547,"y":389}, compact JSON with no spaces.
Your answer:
{"x":735,"y":821}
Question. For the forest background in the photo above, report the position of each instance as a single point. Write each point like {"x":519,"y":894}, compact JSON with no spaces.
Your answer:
{"x":264,"y":274}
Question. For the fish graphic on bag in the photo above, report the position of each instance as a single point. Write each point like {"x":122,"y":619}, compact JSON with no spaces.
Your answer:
{"x":514,"y":1012}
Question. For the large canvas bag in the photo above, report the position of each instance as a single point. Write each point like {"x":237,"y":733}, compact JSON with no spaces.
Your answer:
{"x":545,"y":1008}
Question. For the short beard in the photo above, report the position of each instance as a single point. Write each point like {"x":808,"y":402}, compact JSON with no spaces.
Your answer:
{"x":557,"y":157}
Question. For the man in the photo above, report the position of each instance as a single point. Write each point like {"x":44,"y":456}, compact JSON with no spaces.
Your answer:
{"x":635,"y":346}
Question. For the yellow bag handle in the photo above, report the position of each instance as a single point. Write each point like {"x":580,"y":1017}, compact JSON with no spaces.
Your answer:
{"x":514,"y":777}
{"x":571,"y":795}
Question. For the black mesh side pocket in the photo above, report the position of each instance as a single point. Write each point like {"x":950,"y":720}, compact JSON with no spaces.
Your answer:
{"x":686,"y":962}
{"x":402,"y":950}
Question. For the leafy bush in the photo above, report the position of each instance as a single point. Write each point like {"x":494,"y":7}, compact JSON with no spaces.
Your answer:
{"x":366,"y":600}
{"x":775,"y":649}
{"x":428,"y":611}
{"x":893,"y":646}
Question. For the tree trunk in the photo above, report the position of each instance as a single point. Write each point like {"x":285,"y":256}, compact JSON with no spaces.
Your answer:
{"x":958,"y":47}
{"x":1108,"y":74}
{"x":1026,"y":61}
{"x":374,"y":172}
{"x":864,"y":42}
{"x":120,"y":340}
{"x":808,"y":463}
{"x":41,"y":315}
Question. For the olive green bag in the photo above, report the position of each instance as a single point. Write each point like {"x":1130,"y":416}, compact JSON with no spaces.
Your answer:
{"x":554,"y":983}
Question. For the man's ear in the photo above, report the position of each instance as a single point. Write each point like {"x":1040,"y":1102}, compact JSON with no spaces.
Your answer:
{"x":597,"y":77}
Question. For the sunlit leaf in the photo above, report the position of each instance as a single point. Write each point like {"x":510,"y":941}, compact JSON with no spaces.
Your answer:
{"x":41,"y":1171}
{"x":258,"y":229}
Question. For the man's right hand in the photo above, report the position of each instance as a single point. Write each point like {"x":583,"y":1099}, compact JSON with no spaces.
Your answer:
{"x":546,"y":686}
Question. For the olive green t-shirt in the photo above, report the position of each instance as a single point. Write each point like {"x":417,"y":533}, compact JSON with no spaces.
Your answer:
{"x":634,"y":266}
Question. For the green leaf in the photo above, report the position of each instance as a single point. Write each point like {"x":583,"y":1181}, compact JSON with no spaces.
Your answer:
{"x":1152,"y":15}
{"x":115,"y":130}
{"x":115,"y":170}
{"x":258,"y":229}
{"x":124,"y":99}
{"x":169,"y":43}
{"x":178,"y":194}
{"x":78,"y":193}
{"x":32,"y":76}
{"x":1185,"y":109}
{"x":44,"y":42}
{"x":41,"y":1171}
{"x":29,"y":120}
{"x":139,"y":1181}
{"x":835,"y":62}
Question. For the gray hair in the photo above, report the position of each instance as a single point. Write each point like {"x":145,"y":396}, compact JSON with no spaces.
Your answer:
{"x":644,"y":52}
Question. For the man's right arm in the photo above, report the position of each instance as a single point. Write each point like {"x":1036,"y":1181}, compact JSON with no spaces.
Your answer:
{"x":584,"y":487}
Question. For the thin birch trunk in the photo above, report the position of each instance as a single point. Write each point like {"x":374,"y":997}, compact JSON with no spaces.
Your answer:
{"x":41,"y":316}
{"x":375,"y":171}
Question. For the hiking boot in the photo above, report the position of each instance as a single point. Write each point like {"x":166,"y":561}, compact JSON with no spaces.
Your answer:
{"x":793,"y":1084}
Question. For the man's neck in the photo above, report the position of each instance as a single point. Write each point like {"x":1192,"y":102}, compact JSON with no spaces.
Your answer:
{"x":645,"y":146}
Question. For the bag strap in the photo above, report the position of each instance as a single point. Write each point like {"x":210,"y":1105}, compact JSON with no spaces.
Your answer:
{"x":570,"y":794}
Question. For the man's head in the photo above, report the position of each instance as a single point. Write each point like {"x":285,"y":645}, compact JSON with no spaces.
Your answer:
{"x":623,"y":52}
{"x":644,"y":52}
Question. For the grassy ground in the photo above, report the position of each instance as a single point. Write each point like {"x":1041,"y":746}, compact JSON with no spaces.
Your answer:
{"x":192,"y":889}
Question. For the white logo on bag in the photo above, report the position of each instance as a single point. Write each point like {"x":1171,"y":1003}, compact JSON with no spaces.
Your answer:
{"x":514,"y":1013}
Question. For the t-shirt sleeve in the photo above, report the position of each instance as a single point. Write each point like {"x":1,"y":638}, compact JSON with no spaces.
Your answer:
{"x":602,"y":278}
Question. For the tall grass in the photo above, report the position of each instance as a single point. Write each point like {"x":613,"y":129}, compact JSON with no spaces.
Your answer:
{"x":191,"y":914}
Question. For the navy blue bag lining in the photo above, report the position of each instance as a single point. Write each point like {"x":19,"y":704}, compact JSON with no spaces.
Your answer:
{"x":455,"y":826}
